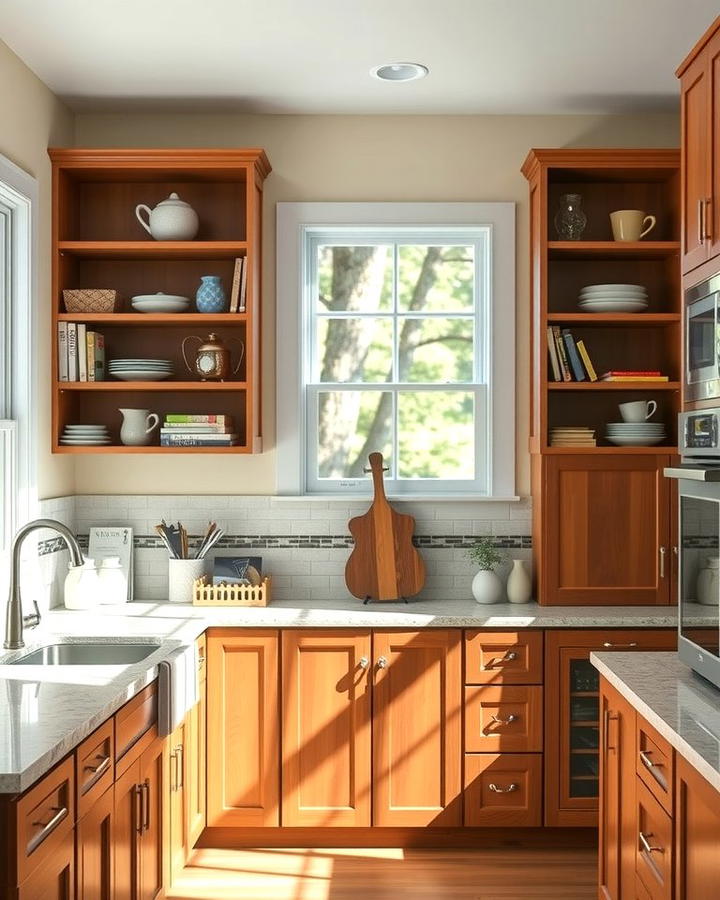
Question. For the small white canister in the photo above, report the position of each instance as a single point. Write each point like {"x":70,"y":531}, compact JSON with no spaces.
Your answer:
{"x":182,"y":573}
{"x":708,"y":582}
{"x":82,"y":587}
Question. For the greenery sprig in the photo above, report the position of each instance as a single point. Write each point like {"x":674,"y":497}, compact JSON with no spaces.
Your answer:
{"x":486,"y":554}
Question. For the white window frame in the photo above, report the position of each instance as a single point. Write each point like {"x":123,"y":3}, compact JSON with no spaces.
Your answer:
{"x":297,"y":224}
{"x":18,"y":346}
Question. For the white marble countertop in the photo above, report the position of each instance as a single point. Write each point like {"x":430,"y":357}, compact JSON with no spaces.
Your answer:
{"x":683,"y":707}
{"x":46,"y":711}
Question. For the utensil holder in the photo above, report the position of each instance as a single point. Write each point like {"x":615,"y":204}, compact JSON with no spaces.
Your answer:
{"x":182,"y":575}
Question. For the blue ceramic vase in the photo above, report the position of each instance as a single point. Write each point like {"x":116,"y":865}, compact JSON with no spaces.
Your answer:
{"x":210,"y":296}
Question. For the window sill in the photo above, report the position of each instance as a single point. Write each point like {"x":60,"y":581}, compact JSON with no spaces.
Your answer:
{"x":414,"y":498}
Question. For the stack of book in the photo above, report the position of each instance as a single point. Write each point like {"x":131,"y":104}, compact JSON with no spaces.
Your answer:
{"x":571,"y":436}
{"x":81,"y":353}
{"x":569,"y":359}
{"x":633,"y":375}
{"x":239,"y":285}
{"x":180,"y":430}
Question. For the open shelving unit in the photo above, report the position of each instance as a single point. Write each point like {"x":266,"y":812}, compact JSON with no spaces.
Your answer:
{"x":97,"y":242}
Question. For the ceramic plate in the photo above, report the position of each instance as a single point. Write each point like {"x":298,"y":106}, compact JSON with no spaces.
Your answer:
{"x":160,"y":306}
{"x":161,"y":298}
{"x":612,"y":295}
{"x":630,"y":288}
{"x":84,"y":443}
{"x":160,"y":362}
{"x":615,"y":306}
{"x":141,"y":375}
{"x":635,"y":441}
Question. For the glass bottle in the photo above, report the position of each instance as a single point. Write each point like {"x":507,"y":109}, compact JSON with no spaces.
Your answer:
{"x":570,"y":220}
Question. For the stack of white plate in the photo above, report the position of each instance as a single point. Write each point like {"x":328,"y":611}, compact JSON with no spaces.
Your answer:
{"x":160,"y":303}
{"x":85,"y":436}
{"x":613,"y":298}
{"x":635,"y":434}
{"x":141,"y":369}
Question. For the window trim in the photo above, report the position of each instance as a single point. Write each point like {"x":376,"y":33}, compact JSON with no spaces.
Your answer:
{"x":294,"y":221}
{"x":19,"y":192}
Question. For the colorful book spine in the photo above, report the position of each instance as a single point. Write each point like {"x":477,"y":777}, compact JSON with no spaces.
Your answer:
{"x":72,"y":351}
{"x":82,"y":352}
{"x":552,"y":353}
{"x":562,"y":355}
{"x":178,"y":427}
{"x":587,"y":362}
{"x":198,"y":419}
{"x":90,"y":352}
{"x":573,"y":355}
{"x":632,"y":372}
{"x":193,"y":440}
{"x":99,"y":357}
{"x":243,"y":285}
{"x":62,"y":352}
{"x":235,"y":292}
{"x":630,"y":378}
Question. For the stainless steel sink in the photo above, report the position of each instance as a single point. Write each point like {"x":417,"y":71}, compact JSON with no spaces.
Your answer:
{"x":86,"y":655}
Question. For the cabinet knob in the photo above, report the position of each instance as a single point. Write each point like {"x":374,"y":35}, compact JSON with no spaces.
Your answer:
{"x":363,"y":662}
{"x":506,"y":721}
{"x":382,"y":662}
{"x":496,"y":789}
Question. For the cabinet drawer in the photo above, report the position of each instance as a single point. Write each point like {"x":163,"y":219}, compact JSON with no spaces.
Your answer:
{"x":503,"y":657}
{"x":503,"y":719}
{"x":135,"y":720}
{"x":45,"y":814}
{"x":503,"y":790}
{"x":94,"y":766}
{"x":55,"y":880}
{"x":654,"y":763}
{"x":653,"y":847}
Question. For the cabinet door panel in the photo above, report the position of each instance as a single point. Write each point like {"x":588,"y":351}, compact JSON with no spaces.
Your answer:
{"x":95,"y":839}
{"x":417,"y":728}
{"x":152,"y":781}
{"x":695,"y":166}
{"x":195,"y":769}
{"x":127,"y":827}
{"x":607,"y":520}
{"x":54,"y":879}
{"x":713,"y":214}
{"x":697,"y":826}
{"x":243,"y":719}
{"x":326,"y":728}
{"x":177,"y":843}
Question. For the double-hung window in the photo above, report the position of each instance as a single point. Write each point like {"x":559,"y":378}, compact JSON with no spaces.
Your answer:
{"x":18,"y":347}
{"x":395,"y":334}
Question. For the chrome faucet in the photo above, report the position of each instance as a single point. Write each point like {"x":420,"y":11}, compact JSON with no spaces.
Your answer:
{"x":15,"y":621}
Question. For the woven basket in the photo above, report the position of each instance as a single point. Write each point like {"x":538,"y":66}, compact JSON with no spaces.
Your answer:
{"x":205,"y":594}
{"x":90,"y":300}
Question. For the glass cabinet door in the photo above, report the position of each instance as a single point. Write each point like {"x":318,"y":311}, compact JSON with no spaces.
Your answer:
{"x":583,"y":760}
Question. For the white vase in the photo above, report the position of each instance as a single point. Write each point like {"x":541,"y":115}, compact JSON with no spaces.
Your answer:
{"x":487,"y":587}
{"x":519,"y":586}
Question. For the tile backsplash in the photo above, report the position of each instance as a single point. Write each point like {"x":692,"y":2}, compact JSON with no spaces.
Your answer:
{"x":304,"y":544}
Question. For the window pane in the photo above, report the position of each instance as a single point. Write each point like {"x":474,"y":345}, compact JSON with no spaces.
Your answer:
{"x":436,"y":279}
{"x":436,"y":434}
{"x":355,"y":278}
{"x":435,"y":350}
{"x":354,"y":350}
{"x":352,"y":424}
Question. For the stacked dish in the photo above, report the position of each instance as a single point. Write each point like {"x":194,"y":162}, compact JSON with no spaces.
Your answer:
{"x":635,"y":434}
{"x":85,"y":436}
{"x":613,"y":298}
{"x":141,"y":369}
{"x":160,"y":303}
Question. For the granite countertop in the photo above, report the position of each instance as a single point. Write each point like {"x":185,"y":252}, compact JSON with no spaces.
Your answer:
{"x":46,"y":711}
{"x":683,"y":707}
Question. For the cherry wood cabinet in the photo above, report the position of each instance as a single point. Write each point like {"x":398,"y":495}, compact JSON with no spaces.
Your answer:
{"x":607,"y":530}
{"x":95,"y":843}
{"x":55,"y":878}
{"x":616,"y":851}
{"x":243,"y":761}
{"x":572,"y":716}
{"x":417,"y":734}
{"x":700,"y":118}
{"x":697,"y":827}
{"x":196,"y":756}
{"x":326,"y":748}
{"x":176,"y":798}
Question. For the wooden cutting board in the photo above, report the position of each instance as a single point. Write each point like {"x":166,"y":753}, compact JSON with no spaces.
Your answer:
{"x":384,"y":564}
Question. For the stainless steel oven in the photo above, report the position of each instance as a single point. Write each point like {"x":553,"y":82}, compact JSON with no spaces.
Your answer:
{"x":702,"y":340}
{"x":698,"y":479}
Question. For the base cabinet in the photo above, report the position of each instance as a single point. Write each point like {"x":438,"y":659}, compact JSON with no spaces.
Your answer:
{"x":697,"y":836}
{"x":177,"y":822}
{"x":196,"y":756}
{"x":55,"y":879}
{"x":95,"y":839}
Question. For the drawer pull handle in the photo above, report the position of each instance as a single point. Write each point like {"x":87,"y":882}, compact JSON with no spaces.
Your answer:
{"x":201,"y":662}
{"x":181,"y":765}
{"x":61,"y":812}
{"x":510,"y":656}
{"x":138,"y":808}
{"x":610,"y":644}
{"x":647,"y":762}
{"x":506,"y":721}
{"x":101,"y":767}
{"x":146,"y":803}
{"x":363,"y":662}
{"x":496,"y":789}
{"x":646,"y":845}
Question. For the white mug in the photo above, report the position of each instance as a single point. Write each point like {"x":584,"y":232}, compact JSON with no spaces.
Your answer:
{"x":637,"y":410}
{"x":629,"y":224}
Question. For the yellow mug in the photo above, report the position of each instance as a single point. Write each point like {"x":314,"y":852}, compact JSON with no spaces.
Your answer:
{"x":629,"y":224}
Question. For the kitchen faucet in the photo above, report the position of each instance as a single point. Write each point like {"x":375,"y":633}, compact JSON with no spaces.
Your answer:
{"x":15,"y":620}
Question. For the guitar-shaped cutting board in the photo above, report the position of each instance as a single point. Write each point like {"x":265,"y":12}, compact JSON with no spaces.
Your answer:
{"x":384,"y":564}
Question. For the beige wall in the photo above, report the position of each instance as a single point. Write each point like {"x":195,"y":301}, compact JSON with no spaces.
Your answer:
{"x":354,"y":158}
{"x":31,"y":119}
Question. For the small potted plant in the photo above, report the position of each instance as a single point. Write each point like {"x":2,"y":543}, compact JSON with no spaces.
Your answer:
{"x":486,"y":585}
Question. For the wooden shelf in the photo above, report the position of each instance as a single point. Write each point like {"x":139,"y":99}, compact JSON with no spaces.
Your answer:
{"x":141,"y":319}
{"x":101,"y":386}
{"x":640,"y":320}
{"x":120,"y":448}
{"x":613,"y":385}
{"x":612,"y":249}
{"x":153,"y":249}
{"x":657,"y":450}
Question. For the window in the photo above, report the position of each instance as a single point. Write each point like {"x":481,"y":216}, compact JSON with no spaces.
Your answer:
{"x":18,"y":196}
{"x":395,"y":322}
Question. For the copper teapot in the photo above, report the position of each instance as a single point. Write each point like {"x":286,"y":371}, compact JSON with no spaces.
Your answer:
{"x":212,"y":358}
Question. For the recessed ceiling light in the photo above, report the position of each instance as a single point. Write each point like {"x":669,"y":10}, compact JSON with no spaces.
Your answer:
{"x":400,"y":71}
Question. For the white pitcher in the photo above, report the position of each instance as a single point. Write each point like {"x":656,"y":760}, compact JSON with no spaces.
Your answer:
{"x":137,"y":426}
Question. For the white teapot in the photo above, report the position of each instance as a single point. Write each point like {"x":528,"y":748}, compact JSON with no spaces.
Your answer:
{"x":171,"y":220}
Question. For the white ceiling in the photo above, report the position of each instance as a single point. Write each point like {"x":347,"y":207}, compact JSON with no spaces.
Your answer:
{"x":289,"y":56}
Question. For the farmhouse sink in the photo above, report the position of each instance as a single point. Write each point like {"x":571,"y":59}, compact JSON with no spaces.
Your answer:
{"x":91,"y":654}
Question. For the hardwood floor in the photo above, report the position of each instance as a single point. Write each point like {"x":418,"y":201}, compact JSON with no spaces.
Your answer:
{"x":498,"y":872}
